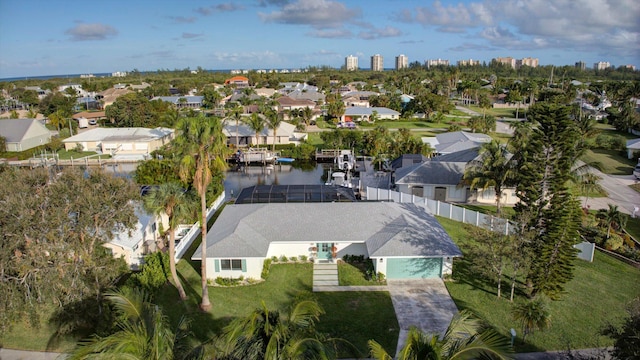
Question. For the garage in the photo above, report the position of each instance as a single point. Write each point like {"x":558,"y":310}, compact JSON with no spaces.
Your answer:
{"x":414,"y":268}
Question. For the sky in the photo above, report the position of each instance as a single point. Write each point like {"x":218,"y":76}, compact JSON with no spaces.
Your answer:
{"x":57,"y":37}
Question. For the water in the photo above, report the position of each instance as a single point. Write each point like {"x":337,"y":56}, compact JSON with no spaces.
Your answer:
{"x":237,"y":179}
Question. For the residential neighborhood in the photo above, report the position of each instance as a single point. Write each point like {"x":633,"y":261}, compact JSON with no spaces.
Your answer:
{"x":398,"y":205}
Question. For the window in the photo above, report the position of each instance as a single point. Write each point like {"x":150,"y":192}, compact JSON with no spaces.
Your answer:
{"x":231,"y":264}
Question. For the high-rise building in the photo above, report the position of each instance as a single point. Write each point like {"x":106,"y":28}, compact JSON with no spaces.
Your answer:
{"x":530,"y":62}
{"x":469,"y":62}
{"x":506,"y":61}
{"x":376,"y":63}
{"x":601,"y":65}
{"x":402,"y":62}
{"x":436,"y":62}
{"x":351,"y":63}
{"x":581,"y":65}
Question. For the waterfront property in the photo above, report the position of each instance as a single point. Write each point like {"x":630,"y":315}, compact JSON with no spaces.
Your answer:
{"x":404,"y":241}
{"x":441,"y":178}
{"x":447,"y":143}
{"x":358,"y":113}
{"x":285,"y":134}
{"x":23,"y":134}
{"x":121,"y":142}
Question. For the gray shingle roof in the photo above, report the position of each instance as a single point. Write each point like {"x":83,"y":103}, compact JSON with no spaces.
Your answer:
{"x":14,"y":130}
{"x":387,"y":229}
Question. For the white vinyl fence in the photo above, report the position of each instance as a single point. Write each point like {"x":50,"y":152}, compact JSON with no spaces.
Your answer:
{"x":193,"y":233}
{"x":444,"y":209}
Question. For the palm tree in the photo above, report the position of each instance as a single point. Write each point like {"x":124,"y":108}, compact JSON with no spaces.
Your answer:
{"x":202,"y":149}
{"x":268,"y":334}
{"x":612,"y":217}
{"x":170,"y":199}
{"x":236,"y":114}
{"x":144,"y":333}
{"x":306,"y":114}
{"x":493,"y":168}
{"x":589,"y":184}
{"x":533,"y":315}
{"x":273,"y":122}
{"x":256,"y":123}
{"x":465,"y":338}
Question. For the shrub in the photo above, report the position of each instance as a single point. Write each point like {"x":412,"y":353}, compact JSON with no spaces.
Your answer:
{"x":266,"y":265}
{"x":614,"y":242}
{"x":304,"y":258}
{"x":283,"y":258}
{"x":228,"y":281}
{"x":154,"y":274}
{"x":627,"y":241}
{"x":293,"y":258}
{"x":274,"y":259}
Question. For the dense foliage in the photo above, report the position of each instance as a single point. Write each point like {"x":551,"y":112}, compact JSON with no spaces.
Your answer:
{"x":53,"y":230}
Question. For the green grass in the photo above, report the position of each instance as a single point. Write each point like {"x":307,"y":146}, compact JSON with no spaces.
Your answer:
{"x":350,"y":275}
{"x":612,"y":161}
{"x":507,"y":113}
{"x":594,"y":298}
{"x":66,"y":155}
{"x":507,"y":211}
{"x":398,"y":124}
{"x":314,"y":139}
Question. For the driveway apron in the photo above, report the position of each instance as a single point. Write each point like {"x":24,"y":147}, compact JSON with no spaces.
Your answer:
{"x":425,"y":304}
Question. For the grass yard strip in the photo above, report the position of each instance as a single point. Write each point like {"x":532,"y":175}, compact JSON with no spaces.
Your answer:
{"x":596,"y":297}
{"x":359,"y":317}
{"x":349,"y":275}
{"x":612,"y":161}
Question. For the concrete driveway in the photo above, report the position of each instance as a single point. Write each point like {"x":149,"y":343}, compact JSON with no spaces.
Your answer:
{"x":423,"y":303}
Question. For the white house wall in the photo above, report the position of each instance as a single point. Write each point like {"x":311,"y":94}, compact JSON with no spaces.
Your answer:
{"x":254,"y":269}
{"x":289,"y":249}
{"x":488,"y":196}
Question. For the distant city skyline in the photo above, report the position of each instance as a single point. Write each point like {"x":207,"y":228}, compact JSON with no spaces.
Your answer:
{"x":49,"y":37}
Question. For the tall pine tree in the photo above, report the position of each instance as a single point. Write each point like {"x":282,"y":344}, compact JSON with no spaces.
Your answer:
{"x":545,"y":151}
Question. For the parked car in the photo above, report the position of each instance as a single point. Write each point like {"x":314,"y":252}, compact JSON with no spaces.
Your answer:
{"x":636,"y":172}
{"x":346,"y":125}
{"x":93,"y":122}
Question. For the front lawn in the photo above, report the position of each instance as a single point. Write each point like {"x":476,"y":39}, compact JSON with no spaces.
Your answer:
{"x":595,"y":297}
{"x":612,"y":161}
{"x":355,"y":275}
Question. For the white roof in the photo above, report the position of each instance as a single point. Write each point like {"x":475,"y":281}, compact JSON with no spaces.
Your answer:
{"x":130,"y":240}
{"x":359,"y":110}
{"x":120,"y":134}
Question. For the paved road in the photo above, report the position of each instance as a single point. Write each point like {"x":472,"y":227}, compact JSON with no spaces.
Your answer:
{"x":620,"y":194}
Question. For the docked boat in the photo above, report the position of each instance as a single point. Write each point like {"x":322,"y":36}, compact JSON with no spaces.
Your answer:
{"x":284,"y":160}
{"x":252,"y":156}
{"x":345,"y":161}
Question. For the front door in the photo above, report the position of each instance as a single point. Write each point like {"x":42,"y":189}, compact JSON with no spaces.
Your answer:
{"x":324,"y":251}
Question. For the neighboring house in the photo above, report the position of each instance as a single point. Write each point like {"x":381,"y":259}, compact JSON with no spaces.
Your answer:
{"x":311,"y":95}
{"x":109,"y":96}
{"x":93,"y":115}
{"x":285,"y":134}
{"x":182,"y":102}
{"x":142,"y":240}
{"x":358,"y":98}
{"x":23,"y":134}
{"x":408,"y":160}
{"x":450,"y":142}
{"x":142,"y":86}
{"x":404,"y":241}
{"x":87,"y":103}
{"x":41,"y":93}
{"x":237,"y":81}
{"x":265,"y":92}
{"x":121,"y":142}
{"x":440,"y":179}
{"x":287,"y":103}
{"x":633,"y":147}
{"x":357,"y":114}
{"x":76,"y":87}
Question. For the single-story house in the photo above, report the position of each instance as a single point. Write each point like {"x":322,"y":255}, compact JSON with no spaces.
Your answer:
{"x":23,"y":134}
{"x":183,"y":102}
{"x":358,"y":98}
{"x":312,"y":95}
{"x":450,"y":142}
{"x":142,"y":240}
{"x":109,"y":96}
{"x":403,"y":240}
{"x":287,"y":103}
{"x":286,"y":134}
{"x":121,"y":142}
{"x":633,"y":146}
{"x":90,"y":115}
{"x":357,"y":113}
{"x":440,"y":178}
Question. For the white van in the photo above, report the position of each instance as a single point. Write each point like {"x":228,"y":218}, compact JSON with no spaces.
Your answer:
{"x":636,"y":171}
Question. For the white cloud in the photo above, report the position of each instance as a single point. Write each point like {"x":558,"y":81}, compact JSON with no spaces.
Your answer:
{"x":331,"y":33}
{"x":86,"y":32}
{"x":317,"y":13}
{"x":373,"y":34}
{"x":610,"y":25}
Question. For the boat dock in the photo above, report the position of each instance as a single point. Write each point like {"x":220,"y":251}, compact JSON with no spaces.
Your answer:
{"x":327,"y":155}
{"x":254,"y":156}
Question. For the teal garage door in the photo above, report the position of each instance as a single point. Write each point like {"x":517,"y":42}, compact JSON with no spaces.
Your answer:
{"x":414,"y":268}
